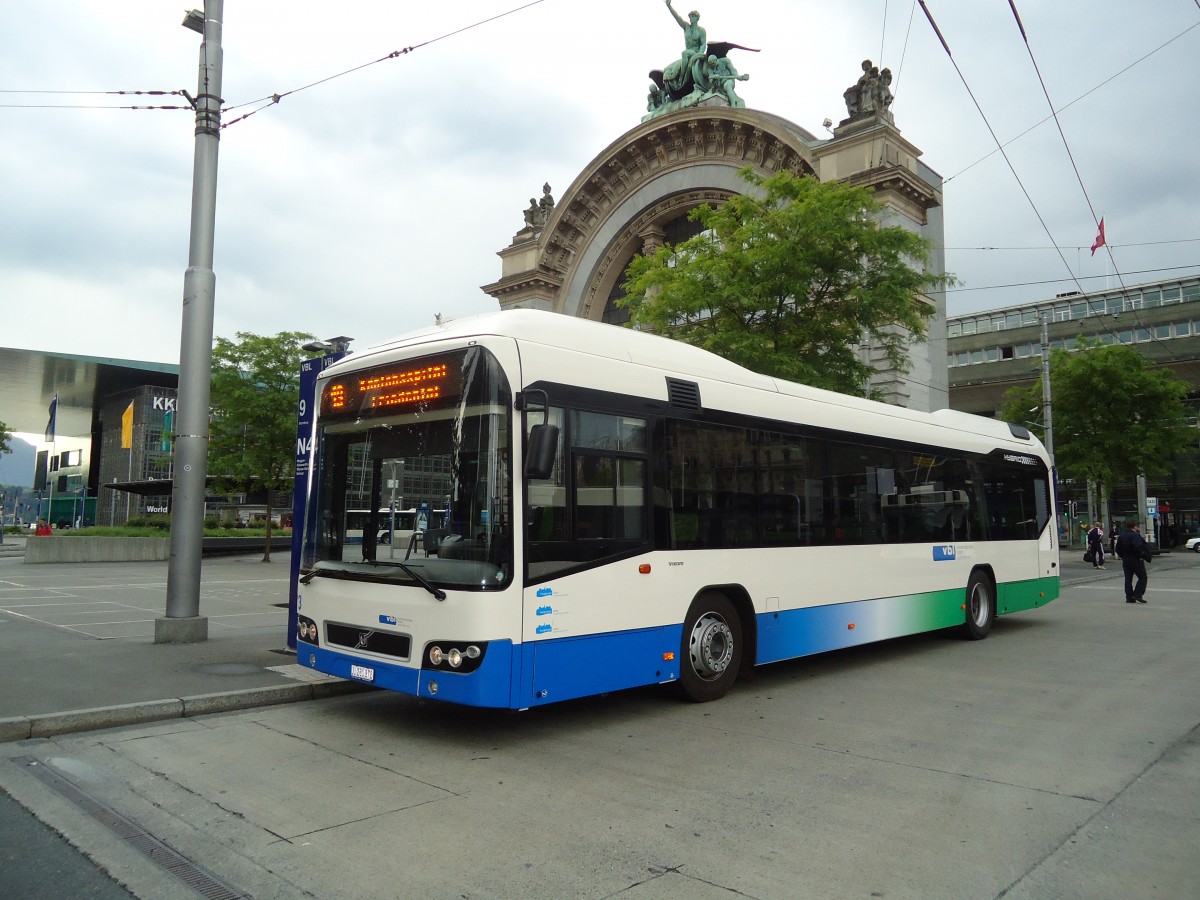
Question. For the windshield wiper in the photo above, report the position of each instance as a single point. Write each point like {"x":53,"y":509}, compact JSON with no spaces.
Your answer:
{"x":341,"y":573}
{"x":415,"y":576}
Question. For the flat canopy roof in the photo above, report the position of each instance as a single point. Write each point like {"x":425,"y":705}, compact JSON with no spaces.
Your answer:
{"x":29,"y":379}
{"x":155,"y":487}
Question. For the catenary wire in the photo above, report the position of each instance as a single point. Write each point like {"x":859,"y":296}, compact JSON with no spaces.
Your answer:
{"x":273,"y":99}
{"x":90,"y":105}
{"x":1085,"y":246}
{"x":937,"y":31}
{"x":1041,"y":122}
{"x":993,"y":287}
{"x":1096,"y":220}
{"x":262,"y":102}
{"x":904,"y":51}
{"x":1037,"y":213}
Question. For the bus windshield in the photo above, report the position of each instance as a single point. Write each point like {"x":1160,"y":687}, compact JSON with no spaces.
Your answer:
{"x":411,"y":474}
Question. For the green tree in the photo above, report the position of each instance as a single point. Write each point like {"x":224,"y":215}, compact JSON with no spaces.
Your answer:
{"x":786,"y":280}
{"x":255,"y":392}
{"x":1114,"y":416}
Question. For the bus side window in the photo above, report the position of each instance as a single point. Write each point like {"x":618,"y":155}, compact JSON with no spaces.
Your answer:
{"x":547,"y":497}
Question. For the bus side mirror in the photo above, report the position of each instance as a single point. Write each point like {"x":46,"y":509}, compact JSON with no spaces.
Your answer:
{"x":543,"y":447}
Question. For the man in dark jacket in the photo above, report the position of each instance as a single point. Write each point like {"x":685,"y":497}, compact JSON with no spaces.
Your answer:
{"x":1095,"y":542}
{"x":1134,"y":553}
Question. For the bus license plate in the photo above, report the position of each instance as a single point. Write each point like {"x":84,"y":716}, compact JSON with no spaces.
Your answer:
{"x":362,"y":673}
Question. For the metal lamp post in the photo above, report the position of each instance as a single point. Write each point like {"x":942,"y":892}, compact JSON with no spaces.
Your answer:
{"x":183,"y":622}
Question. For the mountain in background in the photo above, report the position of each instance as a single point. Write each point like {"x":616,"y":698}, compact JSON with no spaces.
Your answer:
{"x":16,"y":468}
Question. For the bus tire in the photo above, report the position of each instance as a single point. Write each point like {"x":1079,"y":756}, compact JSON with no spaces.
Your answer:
{"x":980,"y":607}
{"x":711,"y":651}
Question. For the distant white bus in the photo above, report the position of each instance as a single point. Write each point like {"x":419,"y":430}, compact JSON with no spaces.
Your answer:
{"x":627,"y":510}
{"x":394,"y":527}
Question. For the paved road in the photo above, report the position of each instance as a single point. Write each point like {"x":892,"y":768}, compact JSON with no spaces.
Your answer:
{"x":1059,"y":758}
{"x":37,"y":864}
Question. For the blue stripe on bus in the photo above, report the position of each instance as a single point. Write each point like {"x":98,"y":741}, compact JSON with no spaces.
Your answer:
{"x":566,"y":668}
{"x":547,"y":671}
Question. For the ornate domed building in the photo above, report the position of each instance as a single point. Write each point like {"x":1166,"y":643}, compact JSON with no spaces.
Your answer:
{"x":571,"y":255}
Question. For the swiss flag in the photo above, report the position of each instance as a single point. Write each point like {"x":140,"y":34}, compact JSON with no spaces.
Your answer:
{"x":1099,"y":242}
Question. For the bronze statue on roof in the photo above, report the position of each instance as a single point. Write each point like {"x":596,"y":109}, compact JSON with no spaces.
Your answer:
{"x":702,"y":71}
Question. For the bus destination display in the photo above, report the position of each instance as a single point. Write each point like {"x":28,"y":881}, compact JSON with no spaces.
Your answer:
{"x":389,"y":389}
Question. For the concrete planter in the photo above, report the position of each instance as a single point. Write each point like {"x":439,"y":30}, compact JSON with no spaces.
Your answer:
{"x":60,"y":549}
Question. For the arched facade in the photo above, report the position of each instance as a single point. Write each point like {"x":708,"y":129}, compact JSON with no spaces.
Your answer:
{"x":572,"y":257}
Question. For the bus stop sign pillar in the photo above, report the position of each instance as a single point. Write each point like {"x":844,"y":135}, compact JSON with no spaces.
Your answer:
{"x":309,"y":370}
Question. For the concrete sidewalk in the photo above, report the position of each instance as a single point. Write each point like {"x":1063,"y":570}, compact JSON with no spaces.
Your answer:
{"x":77,"y":647}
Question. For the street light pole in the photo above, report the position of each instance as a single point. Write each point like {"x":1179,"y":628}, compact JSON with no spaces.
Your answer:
{"x":1048,"y":411}
{"x":1047,"y":402}
{"x":183,"y":622}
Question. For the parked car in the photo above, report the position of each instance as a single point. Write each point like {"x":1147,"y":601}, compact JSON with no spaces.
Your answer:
{"x":1192,"y":544}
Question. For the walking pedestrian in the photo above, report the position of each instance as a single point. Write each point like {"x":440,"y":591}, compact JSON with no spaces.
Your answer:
{"x":1095,"y":542}
{"x":1134,"y":553}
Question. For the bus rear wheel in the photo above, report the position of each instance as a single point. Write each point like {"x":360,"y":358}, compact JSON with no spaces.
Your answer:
{"x":711,"y":649}
{"x":980,"y":607}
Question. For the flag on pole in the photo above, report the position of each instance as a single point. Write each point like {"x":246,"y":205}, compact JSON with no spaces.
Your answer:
{"x":53,"y":419}
{"x":1099,"y":242}
{"x":127,"y":427}
{"x":167,"y":432}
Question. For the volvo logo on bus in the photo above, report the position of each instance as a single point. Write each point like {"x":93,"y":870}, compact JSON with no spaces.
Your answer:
{"x":363,"y":638}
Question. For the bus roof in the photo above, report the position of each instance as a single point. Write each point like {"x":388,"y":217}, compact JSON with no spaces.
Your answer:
{"x":584,"y":336}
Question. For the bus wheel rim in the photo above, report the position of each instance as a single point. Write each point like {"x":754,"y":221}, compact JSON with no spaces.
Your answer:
{"x":710,"y":646}
{"x":979,"y":606}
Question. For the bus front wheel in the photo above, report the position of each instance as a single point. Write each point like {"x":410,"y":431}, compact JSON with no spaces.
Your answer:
{"x":980,"y":607}
{"x":712,"y":648}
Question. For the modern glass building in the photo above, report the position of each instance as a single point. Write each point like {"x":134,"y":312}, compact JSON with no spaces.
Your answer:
{"x":992,"y":351}
{"x":136,"y":453}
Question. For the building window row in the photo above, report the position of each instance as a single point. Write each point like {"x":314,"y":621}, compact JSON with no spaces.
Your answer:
{"x":1123,"y":336}
{"x":1072,"y":309}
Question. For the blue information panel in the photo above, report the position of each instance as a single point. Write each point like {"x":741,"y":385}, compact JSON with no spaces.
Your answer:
{"x":306,"y":409}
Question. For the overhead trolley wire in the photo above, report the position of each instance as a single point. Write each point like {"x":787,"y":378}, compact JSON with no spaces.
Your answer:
{"x":92,"y":105}
{"x":1124,"y":291}
{"x":262,"y":102}
{"x":1085,"y":246}
{"x":937,"y":31}
{"x":904,"y":51}
{"x":273,"y":99}
{"x":1000,"y":147}
{"x":1067,"y":106}
{"x":992,"y":287}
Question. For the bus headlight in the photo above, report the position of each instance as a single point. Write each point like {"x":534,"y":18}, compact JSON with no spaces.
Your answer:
{"x":306,"y":629}
{"x":456,"y":656}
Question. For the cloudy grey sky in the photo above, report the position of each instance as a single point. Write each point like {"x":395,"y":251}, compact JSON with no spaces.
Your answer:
{"x":366,"y":204}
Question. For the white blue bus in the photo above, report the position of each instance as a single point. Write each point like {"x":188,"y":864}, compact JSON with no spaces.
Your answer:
{"x":628,"y":510}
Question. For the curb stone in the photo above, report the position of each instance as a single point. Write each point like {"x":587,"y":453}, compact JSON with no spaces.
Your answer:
{"x":20,"y":728}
